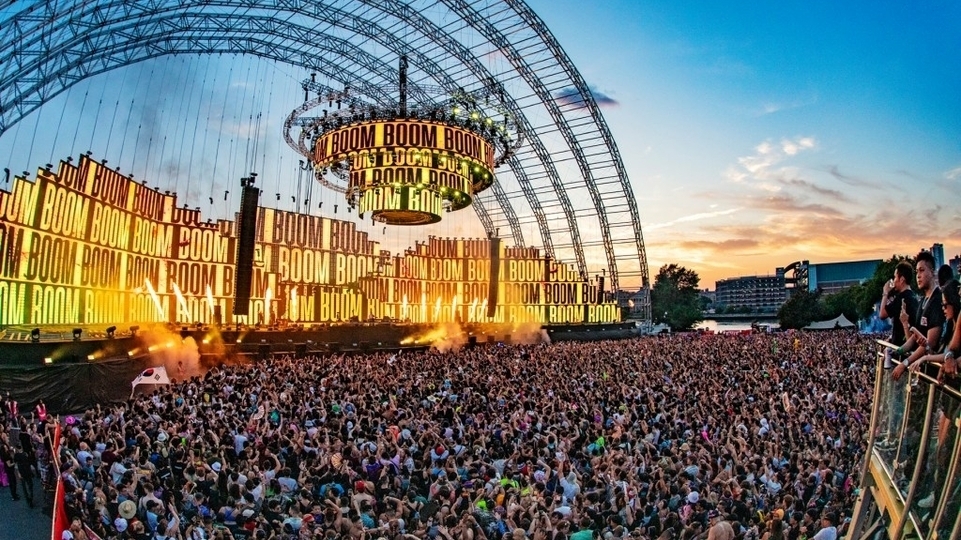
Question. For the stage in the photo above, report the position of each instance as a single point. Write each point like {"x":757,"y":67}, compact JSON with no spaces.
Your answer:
{"x":53,"y":345}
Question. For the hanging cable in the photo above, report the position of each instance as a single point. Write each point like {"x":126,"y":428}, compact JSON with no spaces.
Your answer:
{"x":142,"y":114}
{"x":126,"y":123}
{"x":220,"y":131}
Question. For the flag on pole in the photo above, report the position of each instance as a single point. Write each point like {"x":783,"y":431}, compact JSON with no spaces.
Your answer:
{"x":154,"y":375}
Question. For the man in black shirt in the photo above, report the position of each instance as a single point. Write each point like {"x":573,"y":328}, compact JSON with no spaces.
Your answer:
{"x":25,"y":468}
{"x":924,"y":332}
{"x":897,"y":298}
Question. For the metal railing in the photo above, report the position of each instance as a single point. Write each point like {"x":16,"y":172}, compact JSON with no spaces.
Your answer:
{"x":911,"y":478}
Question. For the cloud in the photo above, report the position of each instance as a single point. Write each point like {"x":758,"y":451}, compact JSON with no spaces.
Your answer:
{"x":953,"y":174}
{"x":571,"y":97}
{"x":760,"y":165}
{"x":772,"y":107}
{"x":692,"y":217}
{"x":814,"y":188}
{"x":725,"y":246}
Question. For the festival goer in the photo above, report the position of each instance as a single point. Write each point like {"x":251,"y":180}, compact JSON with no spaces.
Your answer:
{"x":924,"y":335}
{"x":631,"y":438}
{"x":897,"y":298}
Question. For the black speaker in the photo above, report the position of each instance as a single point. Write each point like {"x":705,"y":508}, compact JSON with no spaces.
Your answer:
{"x":218,"y":316}
{"x":300,"y":350}
{"x":263,"y":351}
{"x":333,"y":347}
{"x":246,"y":236}
{"x":471,"y":342}
{"x":495,"y":245}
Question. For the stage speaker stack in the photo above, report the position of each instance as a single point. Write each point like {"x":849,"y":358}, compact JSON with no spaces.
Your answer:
{"x":246,"y":235}
{"x":495,"y":258}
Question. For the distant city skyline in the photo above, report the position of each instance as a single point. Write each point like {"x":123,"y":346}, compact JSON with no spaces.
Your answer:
{"x":752,"y":137}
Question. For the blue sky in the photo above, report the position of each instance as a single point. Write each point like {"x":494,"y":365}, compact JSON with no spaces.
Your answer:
{"x":754,"y":135}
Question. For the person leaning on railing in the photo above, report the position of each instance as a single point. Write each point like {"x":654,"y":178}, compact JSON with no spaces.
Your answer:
{"x":924,"y":334}
{"x":951,"y":342}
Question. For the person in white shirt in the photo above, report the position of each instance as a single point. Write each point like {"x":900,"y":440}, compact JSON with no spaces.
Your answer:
{"x":829,"y":529}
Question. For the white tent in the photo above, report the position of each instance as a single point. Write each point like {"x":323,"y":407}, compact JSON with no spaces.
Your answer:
{"x":838,"y":322}
{"x":154,"y":375}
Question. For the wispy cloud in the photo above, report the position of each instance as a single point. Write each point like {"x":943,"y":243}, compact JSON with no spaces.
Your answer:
{"x":571,"y":97}
{"x":772,"y":107}
{"x":692,"y":217}
{"x":953,"y":174}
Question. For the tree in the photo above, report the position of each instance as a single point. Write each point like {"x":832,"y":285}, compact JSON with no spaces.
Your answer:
{"x":845,"y":302}
{"x":800,"y":310}
{"x":674,"y":299}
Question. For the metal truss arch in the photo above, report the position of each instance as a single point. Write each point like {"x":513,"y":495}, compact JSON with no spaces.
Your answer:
{"x":53,"y":44}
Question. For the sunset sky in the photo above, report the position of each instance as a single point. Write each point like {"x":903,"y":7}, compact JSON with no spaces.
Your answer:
{"x":754,"y":135}
{"x":758,"y":135}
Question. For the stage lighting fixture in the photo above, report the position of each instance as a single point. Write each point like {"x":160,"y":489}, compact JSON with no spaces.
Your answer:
{"x":133,"y":331}
{"x":48,"y":360}
{"x":35,"y":335}
{"x":110,"y":331}
{"x":76,"y":333}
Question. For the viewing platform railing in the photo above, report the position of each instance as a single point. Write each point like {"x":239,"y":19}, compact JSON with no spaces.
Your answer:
{"x":911,"y":478}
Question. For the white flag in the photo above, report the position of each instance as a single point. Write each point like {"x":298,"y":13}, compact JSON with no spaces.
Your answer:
{"x":154,"y":375}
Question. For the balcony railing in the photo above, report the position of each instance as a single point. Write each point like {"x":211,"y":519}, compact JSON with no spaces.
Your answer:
{"x":911,"y":483}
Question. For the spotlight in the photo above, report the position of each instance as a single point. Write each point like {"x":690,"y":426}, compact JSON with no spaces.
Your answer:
{"x":48,"y":360}
{"x":35,"y":335}
{"x":110,"y":331}
{"x":76,"y":333}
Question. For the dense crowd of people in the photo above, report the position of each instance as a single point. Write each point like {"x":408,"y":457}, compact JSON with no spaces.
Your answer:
{"x":757,"y":437}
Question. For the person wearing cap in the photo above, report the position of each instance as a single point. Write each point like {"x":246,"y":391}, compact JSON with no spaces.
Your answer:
{"x":829,"y":529}
{"x":719,"y":529}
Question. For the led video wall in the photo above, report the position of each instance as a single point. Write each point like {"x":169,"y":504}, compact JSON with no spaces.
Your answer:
{"x":87,"y":245}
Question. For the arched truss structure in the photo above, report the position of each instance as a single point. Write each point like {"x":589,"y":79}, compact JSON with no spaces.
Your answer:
{"x":567,"y":181}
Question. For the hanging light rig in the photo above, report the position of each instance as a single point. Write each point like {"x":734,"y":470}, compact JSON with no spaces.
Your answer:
{"x":404,"y":165}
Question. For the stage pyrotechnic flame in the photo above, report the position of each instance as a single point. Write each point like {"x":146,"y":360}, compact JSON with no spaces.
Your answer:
{"x":445,"y":337}
{"x":267,"y":297}
{"x":423,"y":306}
{"x":453,"y":308}
{"x":483,"y":309}
{"x":403,"y":309}
{"x":293,"y":305}
{"x":437,"y":309}
{"x":156,"y":299}
{"x":210,"y":300}
{"x":182,"y":302}
{"x":472,"y":313}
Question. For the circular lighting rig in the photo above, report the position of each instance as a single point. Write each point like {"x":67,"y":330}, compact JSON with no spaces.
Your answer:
{"x":404,"y":165}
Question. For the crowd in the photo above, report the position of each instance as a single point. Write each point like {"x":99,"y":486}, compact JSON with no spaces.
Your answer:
{"x":720,"y":437}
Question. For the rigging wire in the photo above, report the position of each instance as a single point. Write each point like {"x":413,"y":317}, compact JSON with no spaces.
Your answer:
{"x":220,"y":130}
{"x":140,"y":122}
{"x":99,"y":109}
{"x":193,"y":145}
{"x":123,"y":142}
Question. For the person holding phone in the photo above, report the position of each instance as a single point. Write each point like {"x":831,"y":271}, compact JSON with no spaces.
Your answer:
{"x":924,"y":335}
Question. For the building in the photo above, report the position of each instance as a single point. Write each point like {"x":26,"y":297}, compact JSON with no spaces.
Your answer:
{"x":835,"y":277}
{"x":955,"y":264}
{"x":760,"y":294}
{"x":937,"y":250}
